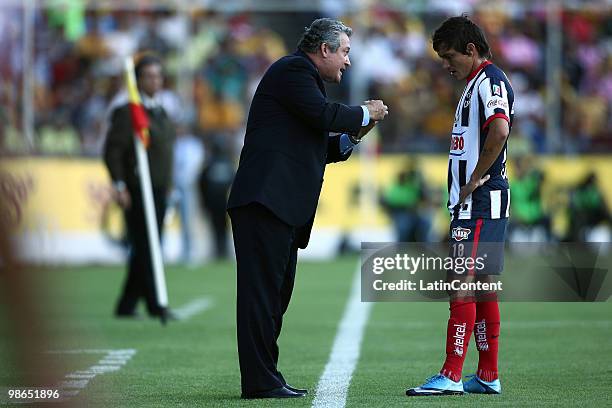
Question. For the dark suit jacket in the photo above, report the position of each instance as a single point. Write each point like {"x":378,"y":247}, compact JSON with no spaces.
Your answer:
{"x":120,"y":153}
{"x":287,"y":142}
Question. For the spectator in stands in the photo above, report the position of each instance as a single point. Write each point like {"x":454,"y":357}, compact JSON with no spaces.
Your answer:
{"x":188,"y":159}
{"x":215,"y":182}
{"x":589,"y":213}
{"x":528,"y":215}
{"x":403,"y":200}
{"x":58,"y":137}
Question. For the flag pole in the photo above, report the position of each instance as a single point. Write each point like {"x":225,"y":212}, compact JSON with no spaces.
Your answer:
{"x":141,"y":137}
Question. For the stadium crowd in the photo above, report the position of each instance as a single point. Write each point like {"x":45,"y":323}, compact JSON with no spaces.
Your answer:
{"x":215,"y":59}
{"x":425,"y":104}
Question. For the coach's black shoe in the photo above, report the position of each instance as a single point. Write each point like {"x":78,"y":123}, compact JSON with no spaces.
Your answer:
{"x":290,"y":387}
{"x":281,"y":392}
{"x":298,"y":390}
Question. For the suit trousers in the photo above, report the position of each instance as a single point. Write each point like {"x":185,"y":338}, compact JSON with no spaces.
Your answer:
{"x":266,"y":258}
{"x":139,"y":282}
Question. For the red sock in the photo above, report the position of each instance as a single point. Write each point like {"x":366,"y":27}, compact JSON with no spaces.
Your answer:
{"x":486,"y":334}
{"x":458,"y":332}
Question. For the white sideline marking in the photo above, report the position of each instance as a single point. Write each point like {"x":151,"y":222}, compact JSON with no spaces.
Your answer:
{"x":193,"y":308}
{"x":113,"y":360}
{"x":333,"y":385}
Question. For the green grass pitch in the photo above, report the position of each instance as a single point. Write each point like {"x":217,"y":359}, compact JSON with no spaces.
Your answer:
{"x":552,"y":354}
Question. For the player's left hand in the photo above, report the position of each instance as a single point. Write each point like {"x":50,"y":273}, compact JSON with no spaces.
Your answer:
{"x":470,"y":187}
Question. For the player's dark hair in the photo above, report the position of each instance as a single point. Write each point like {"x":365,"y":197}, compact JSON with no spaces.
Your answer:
{"x":456,"y":33}
{"x":144,"y":61}
{"x":323,"y":30}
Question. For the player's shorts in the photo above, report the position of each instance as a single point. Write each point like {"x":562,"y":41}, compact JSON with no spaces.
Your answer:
{"x":482,"y":240}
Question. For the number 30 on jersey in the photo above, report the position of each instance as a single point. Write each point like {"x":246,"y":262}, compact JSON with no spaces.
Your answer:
{"x":457,"y":143}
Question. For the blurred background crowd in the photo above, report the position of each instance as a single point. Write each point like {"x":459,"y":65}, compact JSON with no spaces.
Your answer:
{"x":62,"y":72}
{"x":215,"y":58}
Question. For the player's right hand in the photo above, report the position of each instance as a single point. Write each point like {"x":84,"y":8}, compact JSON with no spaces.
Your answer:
{"x":377,"y":109}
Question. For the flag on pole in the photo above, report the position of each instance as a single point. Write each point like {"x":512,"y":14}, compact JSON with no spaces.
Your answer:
{"x":140,"y":123}
{"x":140,"y":120}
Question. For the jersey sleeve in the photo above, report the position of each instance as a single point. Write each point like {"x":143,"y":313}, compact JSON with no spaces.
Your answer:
{"x":494,"y":97}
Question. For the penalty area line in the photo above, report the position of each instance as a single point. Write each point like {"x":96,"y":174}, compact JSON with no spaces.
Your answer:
{"x":112,"y":360}
{"x":193,"y":308}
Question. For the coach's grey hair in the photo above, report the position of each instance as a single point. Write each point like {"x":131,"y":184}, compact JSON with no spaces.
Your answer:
{"x":323,"y":30}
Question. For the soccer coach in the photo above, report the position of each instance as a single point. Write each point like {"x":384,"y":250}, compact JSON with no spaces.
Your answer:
{"x":275,"y":193}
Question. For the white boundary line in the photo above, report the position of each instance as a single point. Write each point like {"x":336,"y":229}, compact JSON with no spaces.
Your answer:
{"x":192,"y":308}
{"x":113,"y":360}
{"x":333,"y":385}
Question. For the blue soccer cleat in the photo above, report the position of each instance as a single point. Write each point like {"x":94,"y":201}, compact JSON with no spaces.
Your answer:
{"x":437,"y":385}
{"x":477,"y":385}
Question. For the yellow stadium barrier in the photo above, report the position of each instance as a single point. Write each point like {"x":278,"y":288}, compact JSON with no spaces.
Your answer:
{"x":69,"y":200}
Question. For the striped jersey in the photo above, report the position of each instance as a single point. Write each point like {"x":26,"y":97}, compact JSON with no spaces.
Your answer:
{"x":487,"y":95}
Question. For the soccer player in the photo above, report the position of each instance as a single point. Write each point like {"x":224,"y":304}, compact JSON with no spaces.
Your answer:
{"x":479,"y":199}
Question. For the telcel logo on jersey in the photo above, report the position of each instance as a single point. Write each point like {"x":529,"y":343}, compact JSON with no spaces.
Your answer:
{"x":460,"y":233}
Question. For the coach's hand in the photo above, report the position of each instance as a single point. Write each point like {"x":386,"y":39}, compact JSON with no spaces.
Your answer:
{"x":470,"y":187}
{"x":377,"y":109}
